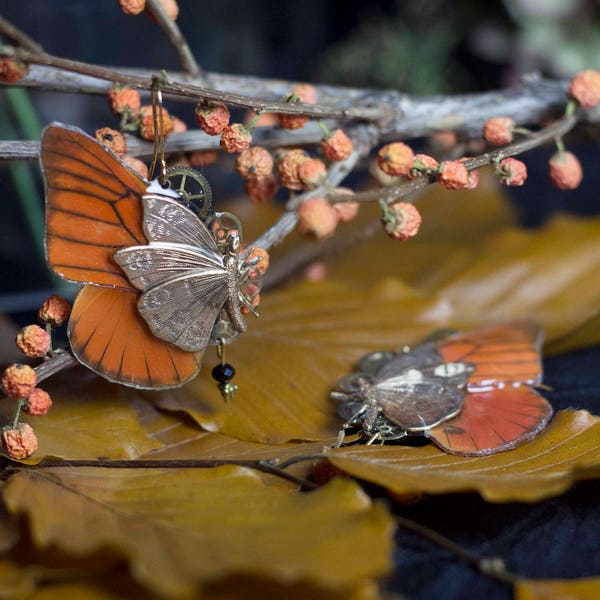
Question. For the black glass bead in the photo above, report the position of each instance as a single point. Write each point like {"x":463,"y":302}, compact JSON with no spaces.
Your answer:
{"x":223,"y":372}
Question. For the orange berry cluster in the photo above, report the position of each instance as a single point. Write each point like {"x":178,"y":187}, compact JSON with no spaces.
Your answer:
{"x":19,"y":381}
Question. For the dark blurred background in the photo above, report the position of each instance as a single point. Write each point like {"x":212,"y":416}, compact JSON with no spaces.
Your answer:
{"x":433,"y":47}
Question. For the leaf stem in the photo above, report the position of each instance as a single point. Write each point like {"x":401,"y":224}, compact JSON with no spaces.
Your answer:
{"x":492,"y":567}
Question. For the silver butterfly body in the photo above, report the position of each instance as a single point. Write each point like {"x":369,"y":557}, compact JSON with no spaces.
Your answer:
{"x":408,"y":392}
{"x":186,"y":282}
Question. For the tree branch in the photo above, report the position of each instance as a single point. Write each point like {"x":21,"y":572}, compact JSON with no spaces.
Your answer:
{"x":175,"y":37}
{"x":195,"y":92}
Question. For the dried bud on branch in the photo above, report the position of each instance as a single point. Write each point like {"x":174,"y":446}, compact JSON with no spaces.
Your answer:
{"x":33,"y":341}
{"x":55,"y":310}
{"x":235,"y":138}
{"x":317,"y":219}
{"x":112,"y":139}
{"x":395,"y":159}
{"x":19,"y":442}
{"x":38,"y":403}
{"x":564,"y":170}
{"x":18,"y":381}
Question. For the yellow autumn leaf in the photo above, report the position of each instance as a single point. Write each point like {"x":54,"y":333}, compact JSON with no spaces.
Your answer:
{"x":90,"y":418}
{"x":587,"y":588}
{"x":179,"y":529}
{"x":546,"y":466}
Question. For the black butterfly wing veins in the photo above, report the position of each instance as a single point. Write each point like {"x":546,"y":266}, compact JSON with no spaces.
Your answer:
{"x":417,"y":390}
{"x":180,"y":272}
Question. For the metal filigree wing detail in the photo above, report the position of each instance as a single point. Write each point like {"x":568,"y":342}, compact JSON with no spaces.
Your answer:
{"x":181,"y":274}
{"x":417,"y":390}
{"x":167,"y":220}
{"x":183,"y":290}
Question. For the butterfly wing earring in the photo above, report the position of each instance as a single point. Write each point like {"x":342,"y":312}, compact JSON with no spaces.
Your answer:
{"x":471,"y":394}
{"x":119,"y":235}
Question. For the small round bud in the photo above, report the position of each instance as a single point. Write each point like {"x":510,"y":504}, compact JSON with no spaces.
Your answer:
{"x":33,"y":341}
{"x":312,"y":173}
{"x":55,"y":310}
{"x":124,"y":100}
{"x":132,"y":7}
{"x":147,"y":122}
{"x":337,"y":146}
{"x":317,"y":219}
{"x":585,"y":88}
{"x":422,"y":163}
{"x":346,"y":211}
{"x":38,"y":402}
{"x":565,"y":170}
{"x":235,"y":138}
{"x":287,"y":169}
{"x":395,"y":159}
{"x":512,"y":172}
{"x":306,"y":92}
{"x":137,"y":165}
{"x":112,"y":139}
{"x":179,"y":126}
{"x":256,"y":161}
{"x":18,"y":381}
{"x":292,"y":122}
{"x":12,"y":70}
{"x":212,"y":117}
{"x":453,"y":175}
{"x":19,"y":442}
{"x":401,"y":221}
{"x":498,"y":131}
{"x":442,"y":141}
{"x":301,"y":93}
{"x":261,"y":189}
{"x":316,"y":271}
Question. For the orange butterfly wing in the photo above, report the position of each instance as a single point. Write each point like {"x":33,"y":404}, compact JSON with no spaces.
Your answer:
{"x":493,"y":421}
{"x":93,"y":208}
{"x":108,"y":335}
{"x":500,"y":410}
{"x":507,"y":353}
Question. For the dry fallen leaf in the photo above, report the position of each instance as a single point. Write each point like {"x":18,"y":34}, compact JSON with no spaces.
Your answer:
{"x":89,"y":419}
{"x":558,"y":589}
{"x":179,"y":529}
{"x":546,"y":466}
{"x":309,"y":335}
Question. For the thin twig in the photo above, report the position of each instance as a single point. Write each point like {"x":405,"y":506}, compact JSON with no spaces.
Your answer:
{"x":175,"y":37}
{"x":19,"y":37}
{"x":364,"y":137}
{"x":61,"y":359}
{"x":187,"y":90}
{"x":552,"y":132}
{"x":265,"y":466}
{"x":490,"y":566}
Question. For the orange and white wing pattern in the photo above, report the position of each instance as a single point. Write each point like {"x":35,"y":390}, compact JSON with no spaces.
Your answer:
{"x":500,"y":410}
{"x":502,"y":354}
{"x":108,"y":335}
{"x":94,"y":208}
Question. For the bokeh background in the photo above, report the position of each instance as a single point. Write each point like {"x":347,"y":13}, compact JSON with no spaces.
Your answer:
{"x":433,"y":47}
